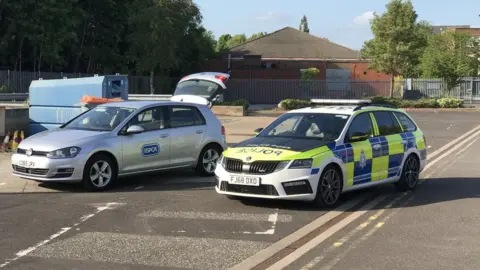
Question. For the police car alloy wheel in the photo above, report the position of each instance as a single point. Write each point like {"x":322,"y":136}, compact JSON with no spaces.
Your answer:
{"x":99,"y":173}
{"x":329,"y":187}
{"x":410,"y":174}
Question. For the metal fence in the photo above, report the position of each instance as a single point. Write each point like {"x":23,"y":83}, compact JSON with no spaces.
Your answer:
{"x":468,"y":89}
{"x":263,"y":91}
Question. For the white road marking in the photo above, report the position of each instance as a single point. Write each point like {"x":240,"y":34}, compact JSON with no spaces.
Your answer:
{"x":428,"y":147}
{"x":217,"y":216}
{"x":453,"y":142}
{"x":288,"y":240}
{"x":22,"y":253}
{"x":151,"y":250}
{"x":273,"y":218}
{"x":295,"y":255}
{"x":1,"y":184}
{"x":347,"y":237}
{"x":140,"y":187}
{"x":364,"y":237}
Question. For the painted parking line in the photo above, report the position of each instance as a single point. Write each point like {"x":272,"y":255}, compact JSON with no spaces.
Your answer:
{"x":151,"y":250}
{"x":99,"y":208}
{"x":231,"y":216}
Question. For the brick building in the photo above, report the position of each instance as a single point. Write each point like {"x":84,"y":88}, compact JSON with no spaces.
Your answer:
{"x":284,"y":53}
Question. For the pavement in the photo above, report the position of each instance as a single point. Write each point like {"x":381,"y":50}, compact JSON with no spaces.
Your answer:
{"x":172,"y":221}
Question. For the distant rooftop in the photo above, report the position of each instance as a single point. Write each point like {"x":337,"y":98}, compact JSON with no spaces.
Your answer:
{"x":437,"y":29}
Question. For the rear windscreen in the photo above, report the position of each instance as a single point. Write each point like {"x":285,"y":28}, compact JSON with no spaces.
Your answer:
{"x":197,"y":88}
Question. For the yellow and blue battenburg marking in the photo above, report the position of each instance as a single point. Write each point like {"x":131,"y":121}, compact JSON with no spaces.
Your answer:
{"x":376,"y":159}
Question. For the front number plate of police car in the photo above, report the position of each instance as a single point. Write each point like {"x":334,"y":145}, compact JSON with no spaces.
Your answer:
{"x":26,"y":163}
{"x":244,"y":180}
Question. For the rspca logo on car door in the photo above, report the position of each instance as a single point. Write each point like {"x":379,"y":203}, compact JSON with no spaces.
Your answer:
{"x":149,"y":150}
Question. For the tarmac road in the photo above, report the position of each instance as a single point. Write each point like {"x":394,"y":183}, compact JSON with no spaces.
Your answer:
{"x":176,"y":221}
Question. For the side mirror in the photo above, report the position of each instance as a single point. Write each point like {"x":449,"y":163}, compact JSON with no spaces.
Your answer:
{"x":257,"y":131}
{"x":134,"y":130}
{"x":358,"y":136}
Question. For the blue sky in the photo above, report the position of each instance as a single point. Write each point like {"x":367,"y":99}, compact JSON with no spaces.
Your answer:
{"x":341,"y":21}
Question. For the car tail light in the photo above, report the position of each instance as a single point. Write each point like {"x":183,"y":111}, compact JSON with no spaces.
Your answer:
{"x":221,"y":78}
{"x":223,"y":130}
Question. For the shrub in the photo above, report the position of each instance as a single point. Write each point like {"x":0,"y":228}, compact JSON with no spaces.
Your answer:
{"x":292,"y":104}
{"x":240,"y":102}
{"x":309,"y":74}
{"x":450,"y":103}
{"x":421,"y":103}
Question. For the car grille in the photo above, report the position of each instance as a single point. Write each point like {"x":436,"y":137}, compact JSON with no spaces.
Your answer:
{"x":34,"y":153}
{"x":257,"y":190}
{"x":24,"y":170}
{"x":256,"y":167}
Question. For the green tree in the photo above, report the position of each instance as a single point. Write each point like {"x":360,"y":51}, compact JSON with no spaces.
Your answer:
{"x":398,"y":42}
{"x":304,"y":25}
{"x":222,"y":42}
{"x":236,"y":40}
{"x":450,"y":56}
{"x":257,"y":35}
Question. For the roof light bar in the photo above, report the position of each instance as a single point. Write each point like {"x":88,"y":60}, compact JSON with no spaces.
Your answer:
{"x":341,"y":101}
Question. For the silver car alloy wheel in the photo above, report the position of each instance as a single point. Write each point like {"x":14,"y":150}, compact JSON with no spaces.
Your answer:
{"x":100,"y":173}
{"x":210,"y":160}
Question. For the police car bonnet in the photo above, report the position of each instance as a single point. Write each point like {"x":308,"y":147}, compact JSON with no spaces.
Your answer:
{"x":292,"y":144}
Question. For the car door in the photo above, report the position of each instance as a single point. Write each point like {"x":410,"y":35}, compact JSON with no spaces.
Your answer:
{"x":188,"y":127}
{"x":359,"y":167}
{"x":149,"y":150}
{"x":389,"y":135}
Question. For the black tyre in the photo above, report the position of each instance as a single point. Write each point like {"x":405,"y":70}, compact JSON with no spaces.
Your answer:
{"x":100,"y":173}
{"x":410,"y":174}
{"x":329,"y":187}
{"x":207,"y":160}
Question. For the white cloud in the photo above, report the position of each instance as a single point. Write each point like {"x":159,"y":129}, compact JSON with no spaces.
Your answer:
{"x":364,"y":18}
{"x":271,"y":16}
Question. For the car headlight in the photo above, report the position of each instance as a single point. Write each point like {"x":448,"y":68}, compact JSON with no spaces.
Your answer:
{"x":282,"y":165}
{"x":68,"y":152}
{"x":301,"y":164}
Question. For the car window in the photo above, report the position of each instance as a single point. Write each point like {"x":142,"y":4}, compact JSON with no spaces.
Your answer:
{"x":387,"y":125}
{"x":150,"y":119}
{"x":101,"y":118}
{"x":322,"y":126}
{"x":407,"y":124}
{"x":184,"y":116}
{"x":361,"y":124}
{"x":197,"y":88}
{"x":198,"y":117}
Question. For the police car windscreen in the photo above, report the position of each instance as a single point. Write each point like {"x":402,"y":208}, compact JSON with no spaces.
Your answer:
{"x":102,"y":118}
{"x":196,"y":88}
{"x":307,"y":126}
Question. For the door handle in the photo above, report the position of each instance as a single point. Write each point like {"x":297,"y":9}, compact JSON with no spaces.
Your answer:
{"x":164,"y":136}
{"x":404,"y":142}
{"x":199,"y":131}
{"x":376,"y":146}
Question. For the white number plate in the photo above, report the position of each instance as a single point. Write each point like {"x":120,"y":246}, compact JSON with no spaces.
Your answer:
{"x":244,"y":180}
{"x":26,"y":163}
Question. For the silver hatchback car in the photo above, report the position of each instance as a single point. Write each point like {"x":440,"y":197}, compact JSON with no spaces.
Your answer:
{"x":124,"y":138}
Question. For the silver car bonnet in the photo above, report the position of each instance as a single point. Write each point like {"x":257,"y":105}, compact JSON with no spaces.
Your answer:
{"x":60,"y":138}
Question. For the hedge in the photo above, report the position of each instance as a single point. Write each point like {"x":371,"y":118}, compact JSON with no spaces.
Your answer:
{"x":292,"y":104}
{"x":420,"y":103}
{"x":239,"y":102}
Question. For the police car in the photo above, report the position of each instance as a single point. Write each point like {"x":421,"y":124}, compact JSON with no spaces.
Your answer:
{"x":318,"y":153}
{"x":128,"y":138}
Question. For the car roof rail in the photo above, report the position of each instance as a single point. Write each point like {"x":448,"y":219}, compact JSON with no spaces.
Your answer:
{"x":383,"y":105}
{"x":351,"y":102}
